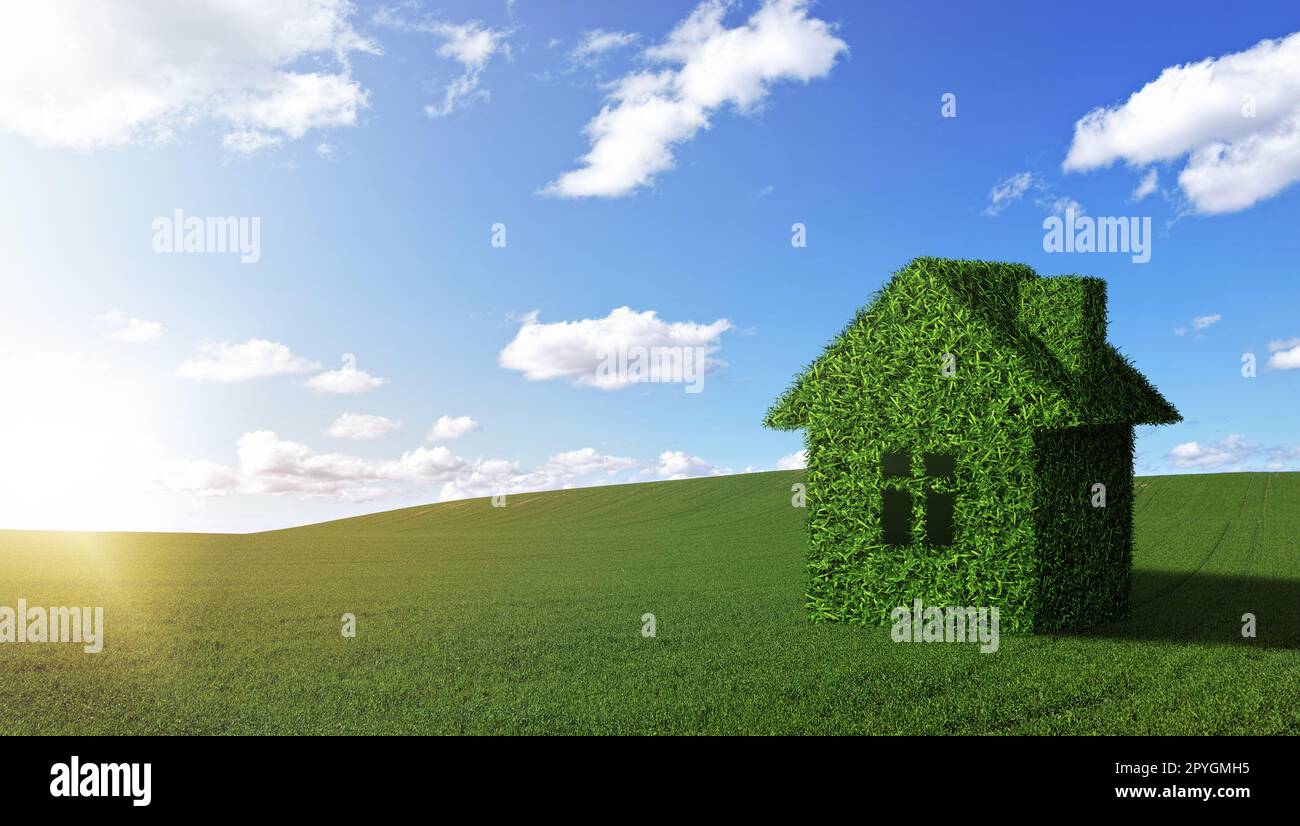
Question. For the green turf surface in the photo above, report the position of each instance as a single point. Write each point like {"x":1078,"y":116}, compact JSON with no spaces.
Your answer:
{"x":527,"y":619}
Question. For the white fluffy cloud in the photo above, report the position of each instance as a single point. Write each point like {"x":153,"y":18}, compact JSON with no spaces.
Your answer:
{"x":586,"y":461}
{"x":793,"y":461}
{"x":649,"y":112}
{"x":675,"y":464}
{"x":1233,"y":452}
{"x":268,"y":464}
{"x":122,"y":73}
{"x":448,"y":427}
{"x":253,"y":359}
{"x":1228,"y":451}
{"x":424,"y":465}
{"x":487,"y":478}
{"x":1285,"y":354}
{"x":584,"y":466}
{"x":574,"y":350}
{"x":1235,"y":117}
{"x":345,"y":381}
{"x":470,"y":44}
{"x":361,"y":427}
{"x":122,"y":327}
{"x":278,"y":465}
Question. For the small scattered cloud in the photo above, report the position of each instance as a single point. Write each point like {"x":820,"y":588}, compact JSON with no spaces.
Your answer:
{"x":250,"y":141}
{"x":1060,"y":205}
{"x":361,"y":427}
{"x":1147,"y":185}
{"x":120,"y":326}
{"x":253,"y":359}
{"x":447,"y":428}
{"x":596,"y":42}
{"x":1015,"y":187}
{"x":345,"y":381}
{"x":471,"y":44}
{"x":1199,"y":323}
{"x":1008,"y":191}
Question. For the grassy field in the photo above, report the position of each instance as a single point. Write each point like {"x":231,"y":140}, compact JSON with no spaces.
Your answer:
{"x":527,"y":619}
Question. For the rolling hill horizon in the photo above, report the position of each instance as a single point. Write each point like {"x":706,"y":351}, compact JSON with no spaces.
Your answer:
{"x":449,"y":502}
{"x":530,"y":619}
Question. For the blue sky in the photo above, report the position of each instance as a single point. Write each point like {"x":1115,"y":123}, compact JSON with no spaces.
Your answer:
{"x":377,"y":189}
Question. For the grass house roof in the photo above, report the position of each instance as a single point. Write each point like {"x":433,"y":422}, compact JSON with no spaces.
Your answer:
{"x":1056,"y":325}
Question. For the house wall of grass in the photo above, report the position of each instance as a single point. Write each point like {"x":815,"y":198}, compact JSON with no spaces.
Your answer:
{"x":1034,"y":409}
{"x":898,"y":399}
{"x":1084,"y":549}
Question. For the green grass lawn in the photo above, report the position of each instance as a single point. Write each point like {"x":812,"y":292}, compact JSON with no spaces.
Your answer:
{"x":527,"y":619}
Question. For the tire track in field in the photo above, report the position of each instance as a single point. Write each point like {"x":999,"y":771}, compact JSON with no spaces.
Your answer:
{"x":1213,"y":548}
{"x":1155,"y":489}
{"x":1114,"y":690}
{"x":1241,"y":508}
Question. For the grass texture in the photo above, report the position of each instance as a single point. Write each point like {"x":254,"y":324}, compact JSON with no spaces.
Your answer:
{"x":527,"y":619}
{"x":1036,"y":409}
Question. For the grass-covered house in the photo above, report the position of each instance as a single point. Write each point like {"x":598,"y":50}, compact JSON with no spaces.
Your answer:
{"x":970,"y":442}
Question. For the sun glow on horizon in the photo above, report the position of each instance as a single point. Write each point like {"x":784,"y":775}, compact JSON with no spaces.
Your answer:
{"x":76,"y":446}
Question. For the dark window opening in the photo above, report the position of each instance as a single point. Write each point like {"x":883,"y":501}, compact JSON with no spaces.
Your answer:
{"x":896,"y":512}
{"x":896,"y":464}
{"x":939,"y":527}
{"x":896,"y":517}
{"x":940,"y":464}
